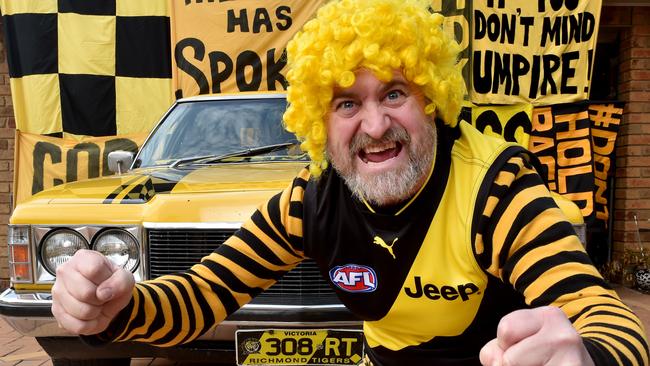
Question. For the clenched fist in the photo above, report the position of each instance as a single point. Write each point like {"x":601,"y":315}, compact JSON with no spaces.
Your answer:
{"x":89,"y":292}
{"x":542,"y":336}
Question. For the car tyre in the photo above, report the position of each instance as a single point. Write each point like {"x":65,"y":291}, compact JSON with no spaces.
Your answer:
{"x":99,"y":362}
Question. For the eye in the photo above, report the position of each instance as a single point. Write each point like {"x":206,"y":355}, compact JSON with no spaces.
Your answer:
{"x":345,"y":108}
{"x":346,"y":104}
{"x":394,"y":96}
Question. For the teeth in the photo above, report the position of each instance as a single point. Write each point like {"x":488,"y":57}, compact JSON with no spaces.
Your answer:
{"x":380,"y":147}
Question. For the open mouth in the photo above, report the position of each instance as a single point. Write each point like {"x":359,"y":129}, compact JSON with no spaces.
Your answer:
{"x":377,"y":153}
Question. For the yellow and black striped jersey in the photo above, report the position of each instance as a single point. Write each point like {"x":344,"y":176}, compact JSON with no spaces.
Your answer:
{"x":431,"y":277}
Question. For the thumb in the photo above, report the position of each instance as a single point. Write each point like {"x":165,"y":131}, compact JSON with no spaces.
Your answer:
{"x":491,"y":354}
{"x":519,"y":325}
{"x":118,"y":285}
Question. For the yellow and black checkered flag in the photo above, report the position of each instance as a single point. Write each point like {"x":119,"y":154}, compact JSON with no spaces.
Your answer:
{"x":88,"y":67}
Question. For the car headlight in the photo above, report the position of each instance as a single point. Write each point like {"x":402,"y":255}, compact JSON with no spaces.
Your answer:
{"x":59,"y":246}
{"x":119,"y":247}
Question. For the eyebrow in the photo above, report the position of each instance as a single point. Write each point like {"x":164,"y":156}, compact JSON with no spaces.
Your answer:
{"x":393,"y":83}
{"x":340,"y":93}
{"x":345,"y":93}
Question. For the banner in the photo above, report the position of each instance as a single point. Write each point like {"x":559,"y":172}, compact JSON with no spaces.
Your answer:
{"x":457,"y":23}
{"x":561,"y":139}
{"x":95,"y":68}
{"x":538,"y":52}
{"x":42,"y":162}
{"x":512,"y":123}
{"x":112,"y":68}
{"x":232,"y":46}
{"x":576,"y":145}
{"x":605,"y":122}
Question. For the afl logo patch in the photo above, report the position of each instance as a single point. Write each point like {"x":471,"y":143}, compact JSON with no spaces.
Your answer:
{"x":354,"y":278}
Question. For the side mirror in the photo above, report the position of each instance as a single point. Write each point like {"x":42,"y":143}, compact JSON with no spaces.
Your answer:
{"x":119,"y":161}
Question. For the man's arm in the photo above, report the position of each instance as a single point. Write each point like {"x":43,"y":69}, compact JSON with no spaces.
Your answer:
{"x":178,"y":308}
{"x":525,"y":240}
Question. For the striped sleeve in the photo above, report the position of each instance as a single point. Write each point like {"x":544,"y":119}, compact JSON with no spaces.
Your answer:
{"x":523,"y":238}
{"x":177,"y":308}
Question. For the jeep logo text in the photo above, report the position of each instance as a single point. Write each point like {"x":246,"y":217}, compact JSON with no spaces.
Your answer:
{"x":446,"y":292}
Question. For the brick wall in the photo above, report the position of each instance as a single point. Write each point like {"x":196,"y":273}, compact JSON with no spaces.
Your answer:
{"x":7,"y":129}
{"x":632,"y":193}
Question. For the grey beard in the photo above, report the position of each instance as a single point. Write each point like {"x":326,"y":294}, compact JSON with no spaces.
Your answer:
{"x":397,"y":185}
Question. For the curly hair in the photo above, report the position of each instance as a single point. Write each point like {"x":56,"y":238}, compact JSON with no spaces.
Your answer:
{"x":378,"y":35}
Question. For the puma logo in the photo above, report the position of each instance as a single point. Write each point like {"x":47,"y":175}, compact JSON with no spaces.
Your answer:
{"x":379,"y":241}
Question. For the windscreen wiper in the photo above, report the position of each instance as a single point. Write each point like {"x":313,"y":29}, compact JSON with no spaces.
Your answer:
{"x":215,"y":158}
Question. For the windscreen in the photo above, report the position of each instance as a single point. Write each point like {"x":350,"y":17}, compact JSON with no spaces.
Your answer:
{"x":219,"y":127}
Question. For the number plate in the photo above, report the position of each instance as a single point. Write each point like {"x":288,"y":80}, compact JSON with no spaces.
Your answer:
{"x":299,"y":347}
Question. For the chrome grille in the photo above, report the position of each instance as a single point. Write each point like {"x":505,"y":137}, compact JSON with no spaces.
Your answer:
{"x":173,"y":250}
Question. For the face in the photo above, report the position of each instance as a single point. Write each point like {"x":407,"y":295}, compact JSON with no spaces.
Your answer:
{"x":379,"y":139}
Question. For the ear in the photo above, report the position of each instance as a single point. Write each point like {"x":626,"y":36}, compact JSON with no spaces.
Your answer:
{"x":430,"y":108}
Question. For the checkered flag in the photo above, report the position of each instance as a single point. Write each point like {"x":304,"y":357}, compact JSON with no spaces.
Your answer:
{"x":88,"y":67}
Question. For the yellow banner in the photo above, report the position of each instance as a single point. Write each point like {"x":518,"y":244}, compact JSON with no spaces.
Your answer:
{"x":42,"y":162}
{"x":533,"y":51}
{"x":512,"y":123}
{"x":231,"y":46}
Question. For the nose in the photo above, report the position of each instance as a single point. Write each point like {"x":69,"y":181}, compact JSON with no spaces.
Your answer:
{"x":375,"y":121}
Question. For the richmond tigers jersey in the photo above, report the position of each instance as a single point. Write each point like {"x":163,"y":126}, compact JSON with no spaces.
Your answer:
{"x":429,"y":299}
{"x":431,"y":277}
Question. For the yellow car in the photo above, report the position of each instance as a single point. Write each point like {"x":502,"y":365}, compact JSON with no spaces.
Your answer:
{"x":203,"y":170}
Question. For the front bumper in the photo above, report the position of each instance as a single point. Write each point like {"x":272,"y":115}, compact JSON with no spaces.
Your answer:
{"x":29,"y":313}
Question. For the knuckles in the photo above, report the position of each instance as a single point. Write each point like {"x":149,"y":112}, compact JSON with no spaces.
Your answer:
{"x":91,"y":264}
{"x":553,"y":312}
{"x":566,"y":338}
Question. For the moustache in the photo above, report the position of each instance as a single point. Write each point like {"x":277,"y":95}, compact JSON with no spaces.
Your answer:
{"x":394,"y":134}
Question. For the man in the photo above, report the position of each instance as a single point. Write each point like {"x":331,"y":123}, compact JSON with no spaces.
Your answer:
{"x":473,"y":260}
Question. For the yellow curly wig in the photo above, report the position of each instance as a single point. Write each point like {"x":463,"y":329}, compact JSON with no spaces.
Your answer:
{"x":378,"y":35}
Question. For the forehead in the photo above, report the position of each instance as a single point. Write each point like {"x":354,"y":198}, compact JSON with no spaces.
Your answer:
{"x":366,"y":80}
